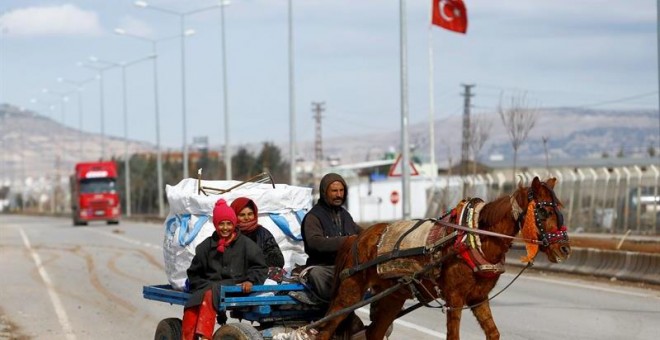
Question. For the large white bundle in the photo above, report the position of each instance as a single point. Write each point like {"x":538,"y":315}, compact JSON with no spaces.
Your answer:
{"x":189,"y":222}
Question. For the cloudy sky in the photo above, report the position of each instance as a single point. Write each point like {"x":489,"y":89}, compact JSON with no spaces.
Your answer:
{"x":590,"y":53}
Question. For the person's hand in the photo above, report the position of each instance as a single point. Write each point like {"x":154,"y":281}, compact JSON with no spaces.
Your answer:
{"x":246,"y":287}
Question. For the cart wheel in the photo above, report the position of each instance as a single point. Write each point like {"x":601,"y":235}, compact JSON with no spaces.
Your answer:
{"x":168,"y":329}
{"x":237,"y":331}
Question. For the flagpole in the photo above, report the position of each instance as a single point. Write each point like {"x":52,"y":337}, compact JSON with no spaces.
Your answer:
{"x":657,"y":34}
{"x":405,"y":177}
{"x":434,"y":167}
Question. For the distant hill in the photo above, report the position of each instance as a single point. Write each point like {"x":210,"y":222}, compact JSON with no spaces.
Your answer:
{"x":572,"y":134}
{"x":36,"y":146}
{"x":39,"y":146}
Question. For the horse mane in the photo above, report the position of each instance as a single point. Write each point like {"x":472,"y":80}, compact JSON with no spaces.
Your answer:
{"x":502,"y":208}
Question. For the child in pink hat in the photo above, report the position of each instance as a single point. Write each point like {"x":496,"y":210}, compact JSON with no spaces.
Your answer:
{"x":225,"y":258}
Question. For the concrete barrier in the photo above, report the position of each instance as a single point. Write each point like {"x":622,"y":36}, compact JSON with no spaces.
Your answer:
{"x":622,"y":265}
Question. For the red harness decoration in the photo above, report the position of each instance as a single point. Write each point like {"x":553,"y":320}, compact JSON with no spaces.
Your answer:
{"x":468,"y":245}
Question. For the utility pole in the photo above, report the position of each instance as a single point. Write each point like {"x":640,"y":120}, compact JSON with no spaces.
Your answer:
{"x":318,"y":108}
{"x":465,"y":147}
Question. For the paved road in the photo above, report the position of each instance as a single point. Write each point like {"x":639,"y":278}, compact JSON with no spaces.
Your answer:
{"x":65,"y":282}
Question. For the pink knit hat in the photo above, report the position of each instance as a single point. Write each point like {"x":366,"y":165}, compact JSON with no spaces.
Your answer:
{"x":222,"y":212}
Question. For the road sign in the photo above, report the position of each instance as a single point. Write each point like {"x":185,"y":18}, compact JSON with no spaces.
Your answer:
{"x":394,"y":197}
{"x":396,"y":170}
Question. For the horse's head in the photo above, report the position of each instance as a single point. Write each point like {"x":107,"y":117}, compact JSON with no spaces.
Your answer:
{"x":548,"y":220}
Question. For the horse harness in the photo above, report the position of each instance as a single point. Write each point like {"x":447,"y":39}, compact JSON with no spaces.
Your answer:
{"x":540,"y":214}
{"x":463,"y":220}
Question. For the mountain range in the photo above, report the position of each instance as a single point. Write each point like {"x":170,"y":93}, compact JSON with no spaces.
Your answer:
{"x":36,"y":146}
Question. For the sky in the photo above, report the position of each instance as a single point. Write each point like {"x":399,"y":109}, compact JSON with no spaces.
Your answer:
{"x":591,"y":53}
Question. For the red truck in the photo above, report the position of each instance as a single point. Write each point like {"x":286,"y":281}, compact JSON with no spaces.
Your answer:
{"x":94,"y":195}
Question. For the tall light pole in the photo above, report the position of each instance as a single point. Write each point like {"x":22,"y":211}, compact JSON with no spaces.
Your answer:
{"x":64,"y":98}
{"x":50,"y":108}
{"x":159,"y":157}
{"x":405,"y":144}
{"x":100,"y":70}
{"x":292,"y":104}
{"x":225,"y":92}
{"x":182,"y":18}
{"x":127,"y":168}
{"x":79,"y":88}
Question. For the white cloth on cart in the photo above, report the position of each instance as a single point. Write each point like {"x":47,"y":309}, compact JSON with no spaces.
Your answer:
{"x":189,"y":222}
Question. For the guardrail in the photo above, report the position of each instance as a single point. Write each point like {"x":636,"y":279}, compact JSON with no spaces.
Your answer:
{"x":621,"y":265}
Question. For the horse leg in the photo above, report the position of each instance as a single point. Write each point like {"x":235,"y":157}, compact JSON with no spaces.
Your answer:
{"x":349,"y":293}
{"x":454,"y":318}
{"x":383,"y":313}
{"x":485,"y":317}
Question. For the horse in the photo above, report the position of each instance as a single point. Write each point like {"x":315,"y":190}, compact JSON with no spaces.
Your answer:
{"x":533,"y":211}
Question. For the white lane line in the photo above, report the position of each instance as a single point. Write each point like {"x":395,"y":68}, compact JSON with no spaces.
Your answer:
{"x":591,"y":287}
{"x":54,"y":298}
{"x":129,"y":240}
{"x":413,"y":326}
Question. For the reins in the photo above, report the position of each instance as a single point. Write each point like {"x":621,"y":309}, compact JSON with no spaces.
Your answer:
{"x":485,"y":232}
{"x":446,"y":308}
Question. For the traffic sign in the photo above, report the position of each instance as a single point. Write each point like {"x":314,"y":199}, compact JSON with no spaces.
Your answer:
{"x":396,"y":170}
{"x":394,"y":197}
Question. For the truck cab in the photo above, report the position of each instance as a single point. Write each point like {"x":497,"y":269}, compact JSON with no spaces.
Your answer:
{"x":94,"y":195}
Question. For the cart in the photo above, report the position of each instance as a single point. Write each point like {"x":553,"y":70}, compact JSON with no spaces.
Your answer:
{"x":269,"y":306}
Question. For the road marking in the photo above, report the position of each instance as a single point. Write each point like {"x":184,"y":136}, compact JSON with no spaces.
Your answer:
{"x":590,"y":287}
{"x":413,"y":326}
{"x":54,"y":298}
{"x":128,"y":240}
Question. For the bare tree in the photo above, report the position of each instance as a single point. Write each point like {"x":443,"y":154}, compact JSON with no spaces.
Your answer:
{"x":518,"y":119}
{"x":479,"y":134}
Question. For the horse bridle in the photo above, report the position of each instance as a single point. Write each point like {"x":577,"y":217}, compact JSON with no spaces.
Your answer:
{"x":546,"y":238}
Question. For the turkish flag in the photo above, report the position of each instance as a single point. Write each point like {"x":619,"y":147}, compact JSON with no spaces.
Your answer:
{"x":450,"y":14}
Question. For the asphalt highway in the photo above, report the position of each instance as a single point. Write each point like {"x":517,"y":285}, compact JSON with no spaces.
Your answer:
{"x":65,"y":282}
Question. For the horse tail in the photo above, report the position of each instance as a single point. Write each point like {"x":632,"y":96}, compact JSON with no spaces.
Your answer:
{"x":344,"y":254}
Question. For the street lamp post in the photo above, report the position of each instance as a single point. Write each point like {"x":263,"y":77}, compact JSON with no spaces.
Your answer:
{"x":292,"y":106}
{"x":64,"y":98}
{"x":79,"y":88}
{"x":159,"y":157}
{"x":182,"y":18}
{"x":51,"y":108}
{"x":224,"y":92}
{"x":127,"y":169}
{"x":100,"y":70}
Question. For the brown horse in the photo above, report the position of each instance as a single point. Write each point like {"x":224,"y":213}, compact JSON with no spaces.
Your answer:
{"x":447,"y":275}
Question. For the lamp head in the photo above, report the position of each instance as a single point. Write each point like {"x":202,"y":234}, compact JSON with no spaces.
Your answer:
{"x":142,"y":4}
{"x":120,"y":31}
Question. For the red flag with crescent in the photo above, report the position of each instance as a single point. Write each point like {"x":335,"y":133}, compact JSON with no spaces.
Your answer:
{"x":450,"y":14}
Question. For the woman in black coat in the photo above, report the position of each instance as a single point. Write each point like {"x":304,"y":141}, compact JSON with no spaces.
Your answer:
{"x":247,"y":214}
{"x":225,"y":258}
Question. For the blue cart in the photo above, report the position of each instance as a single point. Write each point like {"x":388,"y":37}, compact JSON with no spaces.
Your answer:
{"x":274,"y":313}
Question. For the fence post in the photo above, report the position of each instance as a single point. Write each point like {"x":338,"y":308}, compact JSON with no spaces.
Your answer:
{"x":638,"y":210}
{"x":654,"y":219}
{"x":616,"y":196}
{"x":626,"y":206}
{"x":592,"y":199}
{"x":579,"y":196}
